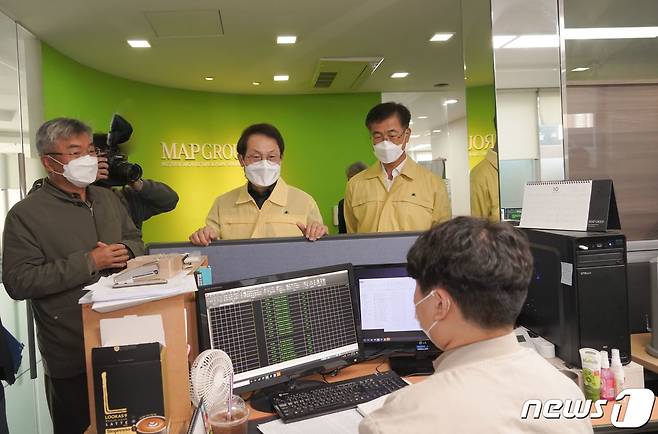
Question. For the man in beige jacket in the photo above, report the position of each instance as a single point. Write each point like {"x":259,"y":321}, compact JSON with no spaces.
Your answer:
{"x":471,"y":282}
{"x":265,"y":206}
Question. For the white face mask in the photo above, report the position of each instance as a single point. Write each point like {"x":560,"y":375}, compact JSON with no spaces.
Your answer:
{"x":427,"y":331}
{"x":388,"y":152}
{"x":80,"y":172}
{"x":262,"y":173}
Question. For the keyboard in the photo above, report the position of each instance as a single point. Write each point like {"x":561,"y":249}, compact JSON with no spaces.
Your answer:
{"x":332,"y":397}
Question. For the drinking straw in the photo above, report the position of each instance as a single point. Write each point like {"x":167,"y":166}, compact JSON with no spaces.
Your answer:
{"x":230,"y":398}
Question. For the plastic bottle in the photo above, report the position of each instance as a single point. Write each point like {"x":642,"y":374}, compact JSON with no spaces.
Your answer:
{"x":591,"y":362}
{"x":607,"y":378}
{"x":617,"y":371}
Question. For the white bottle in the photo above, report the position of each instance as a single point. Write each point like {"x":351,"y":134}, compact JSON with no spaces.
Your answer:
{"x":617,"y":371}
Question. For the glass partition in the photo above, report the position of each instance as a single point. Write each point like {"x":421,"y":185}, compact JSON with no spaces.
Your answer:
{"x":611,"y":93}
{"x":25,"y":399}
{"x":528,"y":97}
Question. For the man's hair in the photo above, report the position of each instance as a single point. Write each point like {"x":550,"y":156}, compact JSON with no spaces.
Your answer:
{"x":57,"y":129}
{"x":264,"y":129}
{"x":385,"y":110}
{"x":355,"y":168}
{"x":485,"y":267}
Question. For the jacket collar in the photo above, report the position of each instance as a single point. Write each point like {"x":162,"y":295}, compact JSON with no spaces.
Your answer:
{"x":279,"y":195}
{"x":478,"y":351}
{"x":410,"y":169}
{"x":53,"y":190}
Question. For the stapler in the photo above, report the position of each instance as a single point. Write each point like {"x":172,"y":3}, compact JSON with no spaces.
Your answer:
{"x":149,"y":270}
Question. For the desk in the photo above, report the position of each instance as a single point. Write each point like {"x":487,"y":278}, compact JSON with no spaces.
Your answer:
{"x":602,"y":426}
{"x":179,"y":321}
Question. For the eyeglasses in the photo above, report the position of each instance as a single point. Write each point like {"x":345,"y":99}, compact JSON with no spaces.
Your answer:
{"x":258,"y":157}
{"x":76,"y":154}
{"x":392,"y":136}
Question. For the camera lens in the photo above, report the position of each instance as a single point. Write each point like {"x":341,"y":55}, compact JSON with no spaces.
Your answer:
{"x":127,"y":172}
{"x":134,"y":173}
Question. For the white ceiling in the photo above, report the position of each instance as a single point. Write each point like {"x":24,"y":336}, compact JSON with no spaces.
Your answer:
{"x":95,"y":33}
{"x":526,"y":67}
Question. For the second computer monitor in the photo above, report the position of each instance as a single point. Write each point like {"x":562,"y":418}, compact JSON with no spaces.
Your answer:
{"x":281,"y":326}
{"x":388,"y":315}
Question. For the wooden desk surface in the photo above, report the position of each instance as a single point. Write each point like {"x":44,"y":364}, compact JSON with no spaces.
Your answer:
{"x":370,"y":367}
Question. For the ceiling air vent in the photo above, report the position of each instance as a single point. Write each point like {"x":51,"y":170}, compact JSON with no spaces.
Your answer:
{"x":186,"y":24}
{"x":325,"y":79}
{"x":344,"y":73}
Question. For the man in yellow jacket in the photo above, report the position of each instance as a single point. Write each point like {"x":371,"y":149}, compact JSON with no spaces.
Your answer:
{"x":485,"y":199}
{"x":394,"y":194}
{"x":265,"y":206}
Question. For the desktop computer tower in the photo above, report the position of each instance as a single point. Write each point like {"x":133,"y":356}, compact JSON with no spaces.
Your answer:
{"x":578,"y":296}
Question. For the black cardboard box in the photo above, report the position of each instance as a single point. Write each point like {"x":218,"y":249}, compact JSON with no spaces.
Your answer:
{"x":128,"y":387}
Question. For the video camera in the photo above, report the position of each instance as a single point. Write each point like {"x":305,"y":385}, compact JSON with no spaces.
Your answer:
{"x":122,"y":172}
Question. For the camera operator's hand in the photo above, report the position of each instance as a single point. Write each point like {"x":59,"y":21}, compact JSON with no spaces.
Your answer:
{"x":107,"y":256}
{"x":137,"y":185}
{"x":103,"y":168}
{"x":203,"y":236}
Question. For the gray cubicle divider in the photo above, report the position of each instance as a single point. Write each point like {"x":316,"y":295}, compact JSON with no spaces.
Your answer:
{"x":241,"y":259}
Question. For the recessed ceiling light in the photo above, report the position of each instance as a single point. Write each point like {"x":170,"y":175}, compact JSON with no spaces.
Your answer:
{"x":411,"y":122}
{"x":286,"y":40}
{"x":281,"y":78}
{"x":139,"y":43}
{"x":209,"y":78}
{"x":256,"y":83}
{"x":611,"y":33}
{"x":414,"y":136}
{"x":428,"y":134}
{"x":450,"y":101}
{"x":500,"y":41}
{"x":580,"y":69}
{"x":422,"y":117}
{"x":441,"y":37}
{"x":535,"y":41}
{"x":436,"y":131}
{"x":399,"y":74}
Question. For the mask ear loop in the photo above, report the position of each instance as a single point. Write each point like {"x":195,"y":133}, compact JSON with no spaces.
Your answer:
{"x":59,"y":162}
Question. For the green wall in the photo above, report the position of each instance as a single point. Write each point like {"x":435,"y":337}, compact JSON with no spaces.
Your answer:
{"x":323,"y":134}
{"x":480,"y":112}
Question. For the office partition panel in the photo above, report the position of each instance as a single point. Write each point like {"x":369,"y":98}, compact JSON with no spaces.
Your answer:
{"x":240,"y":259}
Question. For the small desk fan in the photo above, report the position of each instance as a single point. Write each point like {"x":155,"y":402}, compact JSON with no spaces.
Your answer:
{"x":211,"y":378}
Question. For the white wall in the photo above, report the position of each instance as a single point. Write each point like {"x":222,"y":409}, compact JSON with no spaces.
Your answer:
{"x":551,"y":147}
{"x":518,"y":135}
{"x":452,"y":144}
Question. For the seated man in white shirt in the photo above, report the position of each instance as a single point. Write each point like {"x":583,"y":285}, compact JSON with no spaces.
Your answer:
{"x":472,"y":278}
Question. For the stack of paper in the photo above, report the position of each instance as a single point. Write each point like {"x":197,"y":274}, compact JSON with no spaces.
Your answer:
{"x":344,"y":422}
{"x":105,"y":298}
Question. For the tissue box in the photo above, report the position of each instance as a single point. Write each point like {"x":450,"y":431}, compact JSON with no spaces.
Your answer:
{"x":128,"y":387}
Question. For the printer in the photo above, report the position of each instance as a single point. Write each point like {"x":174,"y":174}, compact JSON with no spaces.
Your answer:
{"x":578,"y":295}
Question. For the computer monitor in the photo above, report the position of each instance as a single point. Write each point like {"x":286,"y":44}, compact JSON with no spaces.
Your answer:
{"x":279,"y":327}
{"x":388,"y":314}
